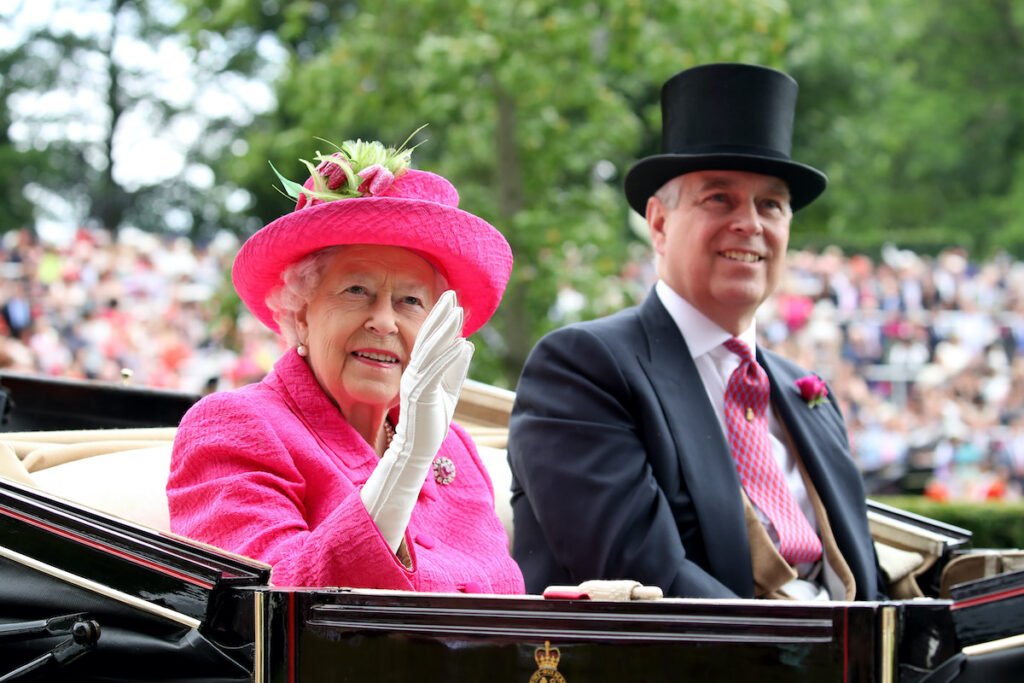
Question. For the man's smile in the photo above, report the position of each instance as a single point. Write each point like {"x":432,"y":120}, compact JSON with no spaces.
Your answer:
{"x":745,"y":256}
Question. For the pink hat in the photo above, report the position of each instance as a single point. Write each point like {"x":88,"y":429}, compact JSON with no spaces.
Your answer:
{"x":366,"y":194}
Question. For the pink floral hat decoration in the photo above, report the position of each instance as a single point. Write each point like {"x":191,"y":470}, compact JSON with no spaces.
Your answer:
{"x":366,"y":193}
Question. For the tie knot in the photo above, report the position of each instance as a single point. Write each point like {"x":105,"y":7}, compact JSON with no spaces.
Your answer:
{"x":739,"y":348}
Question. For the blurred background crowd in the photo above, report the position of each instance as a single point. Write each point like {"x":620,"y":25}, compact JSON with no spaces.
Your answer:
{"x":924,"y":353}
{"x":925,"y":357}
{"x":154,"y":311}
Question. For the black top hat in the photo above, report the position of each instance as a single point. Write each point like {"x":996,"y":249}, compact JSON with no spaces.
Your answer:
{"x":726,"y":117}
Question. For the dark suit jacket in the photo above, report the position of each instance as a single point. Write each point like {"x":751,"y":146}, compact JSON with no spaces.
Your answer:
{"x":621,"y":469}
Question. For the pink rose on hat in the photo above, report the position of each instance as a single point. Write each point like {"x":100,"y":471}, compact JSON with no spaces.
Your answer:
{"x":335,"y":170}
{"x":376,"y":180}
{"x":812,"y":389}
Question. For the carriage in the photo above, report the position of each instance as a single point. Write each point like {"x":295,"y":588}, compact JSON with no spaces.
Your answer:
{"x":95,"y":587}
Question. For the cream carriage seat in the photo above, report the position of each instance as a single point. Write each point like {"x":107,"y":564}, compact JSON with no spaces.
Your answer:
{"x":122,"y":472}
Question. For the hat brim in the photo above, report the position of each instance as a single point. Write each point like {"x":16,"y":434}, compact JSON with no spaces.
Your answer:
{"x":648,"y":175}
{"x":472,"y":255}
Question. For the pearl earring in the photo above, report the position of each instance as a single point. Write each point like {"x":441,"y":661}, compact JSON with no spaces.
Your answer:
{"x":301,"y":350}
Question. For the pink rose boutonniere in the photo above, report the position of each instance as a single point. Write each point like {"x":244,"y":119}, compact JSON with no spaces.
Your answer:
{"x":812,"y":389}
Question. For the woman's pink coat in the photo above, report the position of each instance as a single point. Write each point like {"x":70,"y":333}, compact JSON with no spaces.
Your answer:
{"x":272,"y":471}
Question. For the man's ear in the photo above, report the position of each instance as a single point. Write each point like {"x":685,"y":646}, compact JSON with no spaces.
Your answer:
{"x":656,"y":213}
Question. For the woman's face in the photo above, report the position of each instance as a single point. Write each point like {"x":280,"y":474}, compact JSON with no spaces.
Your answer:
{"x":361,"y":321}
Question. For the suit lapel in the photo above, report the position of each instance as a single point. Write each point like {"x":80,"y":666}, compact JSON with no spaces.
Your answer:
{"x":814,"y":434}
{"x":701,"y":447}
{"x":819,"y":437}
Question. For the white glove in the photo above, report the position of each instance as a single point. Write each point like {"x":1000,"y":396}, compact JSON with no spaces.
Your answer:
{"x":430,"y":388}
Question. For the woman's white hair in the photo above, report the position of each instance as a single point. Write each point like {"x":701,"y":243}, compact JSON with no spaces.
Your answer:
{"x":300,"y":280}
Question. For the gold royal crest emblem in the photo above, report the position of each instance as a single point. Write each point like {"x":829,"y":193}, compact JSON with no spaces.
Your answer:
{"x":547,"y":665}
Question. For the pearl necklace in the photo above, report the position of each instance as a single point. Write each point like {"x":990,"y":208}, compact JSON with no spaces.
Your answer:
{"x":389,"y":432}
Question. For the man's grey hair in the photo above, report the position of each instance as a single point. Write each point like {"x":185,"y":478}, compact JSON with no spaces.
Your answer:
{"x":668,"y":194}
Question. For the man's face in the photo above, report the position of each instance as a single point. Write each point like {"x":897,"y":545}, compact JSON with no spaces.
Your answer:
{"x":723,"y":245}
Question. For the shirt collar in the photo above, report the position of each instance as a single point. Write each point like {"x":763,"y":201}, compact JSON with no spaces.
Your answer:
{"x":702,"y":335}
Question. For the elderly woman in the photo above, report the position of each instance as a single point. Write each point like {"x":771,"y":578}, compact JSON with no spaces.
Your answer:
{"x":342,"y":467}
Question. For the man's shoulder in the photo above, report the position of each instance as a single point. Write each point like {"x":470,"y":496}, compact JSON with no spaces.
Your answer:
{"x":591,"y":345}
{"x":614,"y":325}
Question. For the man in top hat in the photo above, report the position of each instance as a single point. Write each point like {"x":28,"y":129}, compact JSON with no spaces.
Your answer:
{"x":660,"y":444}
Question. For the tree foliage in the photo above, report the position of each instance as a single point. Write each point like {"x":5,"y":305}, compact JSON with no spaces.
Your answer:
{"x":103,"y":127}
{"x":912,"y":110}
{"x":536,"y":109}
{"x":18,"y":167}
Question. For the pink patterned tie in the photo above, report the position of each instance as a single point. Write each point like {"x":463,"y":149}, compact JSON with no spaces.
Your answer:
{"x":746,"y":419}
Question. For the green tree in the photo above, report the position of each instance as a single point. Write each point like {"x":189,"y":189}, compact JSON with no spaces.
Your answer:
{"x":911,"y":109}
{"x":19,"y":165}
{"x":535,"y":111}
{"x":90,"y":88}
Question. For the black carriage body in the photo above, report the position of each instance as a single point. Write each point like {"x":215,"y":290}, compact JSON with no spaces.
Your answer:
{"x":31,"y":403}
{"x":353,"y":636}
{"x":168,"y":609}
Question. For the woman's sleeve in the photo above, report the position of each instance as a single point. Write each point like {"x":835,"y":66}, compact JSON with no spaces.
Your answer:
{"x":234,"y":484}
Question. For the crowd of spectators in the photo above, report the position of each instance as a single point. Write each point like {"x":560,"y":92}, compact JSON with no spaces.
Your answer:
{"x":926,"y":357}
{"x":139,"y":308}
{"x":924,"y":353}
